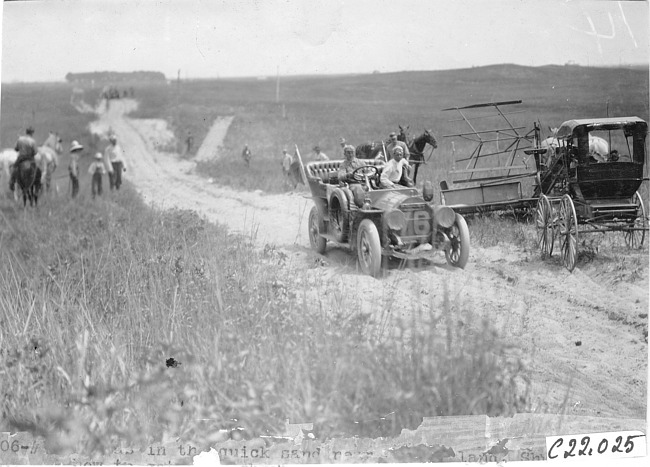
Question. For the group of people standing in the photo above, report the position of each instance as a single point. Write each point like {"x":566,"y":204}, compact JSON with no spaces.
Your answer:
{"x":395,"y":171}
{"x":112,"y":161}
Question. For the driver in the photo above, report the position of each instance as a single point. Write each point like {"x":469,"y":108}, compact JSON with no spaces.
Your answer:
{"x":349,"y":165}
{"x":396,"y":171}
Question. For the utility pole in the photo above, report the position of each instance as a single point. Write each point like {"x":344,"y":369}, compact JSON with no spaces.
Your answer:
{"x":277,"y":86}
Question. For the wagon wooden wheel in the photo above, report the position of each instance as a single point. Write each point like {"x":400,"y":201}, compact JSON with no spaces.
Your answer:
{"x":544,"y":225}
{"x":568,"y":231}
{"x":635,"y":238}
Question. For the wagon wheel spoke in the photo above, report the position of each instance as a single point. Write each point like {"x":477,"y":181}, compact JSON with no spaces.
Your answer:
{"x":635,"y":238}
{"x":568,"y":230}
{"x":544,"y":226}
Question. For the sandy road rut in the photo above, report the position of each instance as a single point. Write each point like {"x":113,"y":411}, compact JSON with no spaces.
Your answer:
{"x":585,"y":328}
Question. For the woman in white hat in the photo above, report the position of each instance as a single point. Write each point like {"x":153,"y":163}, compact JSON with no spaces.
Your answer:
{"x":97,"y":170}
{"x":73,"y":168}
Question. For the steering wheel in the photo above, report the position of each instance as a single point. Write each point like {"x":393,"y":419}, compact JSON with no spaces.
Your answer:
{"x":360,"y":173}
{"x":368,"y":174}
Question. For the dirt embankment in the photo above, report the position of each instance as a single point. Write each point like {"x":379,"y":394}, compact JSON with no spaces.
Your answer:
{"x":585,"y":328}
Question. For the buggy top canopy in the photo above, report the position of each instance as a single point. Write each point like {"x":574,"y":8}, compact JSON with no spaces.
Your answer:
{"x":629,"y":124}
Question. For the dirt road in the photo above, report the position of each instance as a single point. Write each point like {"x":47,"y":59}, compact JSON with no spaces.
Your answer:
{"x":585,"y":328}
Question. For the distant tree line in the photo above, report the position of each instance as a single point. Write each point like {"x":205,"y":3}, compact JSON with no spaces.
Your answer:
{"x":114,"y":76}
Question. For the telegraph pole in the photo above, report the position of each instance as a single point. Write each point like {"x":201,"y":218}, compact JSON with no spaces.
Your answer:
{"x":277,"y":86}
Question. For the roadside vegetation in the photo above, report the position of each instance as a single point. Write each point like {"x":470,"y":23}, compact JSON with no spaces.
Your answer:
{"x":124,"y":323}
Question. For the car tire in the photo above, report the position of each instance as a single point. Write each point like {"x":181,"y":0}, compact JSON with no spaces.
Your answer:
{"x":458,"y":252}
{"x":317,"y":242}
{"x":369,"y":248}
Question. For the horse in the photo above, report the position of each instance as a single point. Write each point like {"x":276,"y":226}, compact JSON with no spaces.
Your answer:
{"x":416,"y":148}
{"x":370,"y":150}
{"x":7,"y":159}
{"x":48,"y":158}
{"x":598,"y":147}
{"x":29,"y":181}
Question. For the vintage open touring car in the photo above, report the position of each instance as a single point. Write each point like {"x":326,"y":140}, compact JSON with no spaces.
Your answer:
{"x":378,"y":223}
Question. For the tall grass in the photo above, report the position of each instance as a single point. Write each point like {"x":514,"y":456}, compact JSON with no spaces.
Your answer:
{"x":125,"y":324}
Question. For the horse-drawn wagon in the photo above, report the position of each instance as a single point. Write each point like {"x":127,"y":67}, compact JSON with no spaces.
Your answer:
{"x":583,"y":179}
{"x":378,"y":223}
{"x":579,"y":193}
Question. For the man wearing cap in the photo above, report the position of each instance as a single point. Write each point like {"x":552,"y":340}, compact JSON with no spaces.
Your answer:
{"x":26,"y":149}
{"x":395,"y":171}
{"x":349,"y":165}
{"x":393,"y":142}
{"x":115,"y":162}
{"x":73,"y":168}
{"x":97,"y":170}
{"x":320,"y":156}
{"x":342,"y":143}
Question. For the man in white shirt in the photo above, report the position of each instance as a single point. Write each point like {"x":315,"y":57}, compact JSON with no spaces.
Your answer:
{"x":115,"y":162}
{"x":395,"y":171}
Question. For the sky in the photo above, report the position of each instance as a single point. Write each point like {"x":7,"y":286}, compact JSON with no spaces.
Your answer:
{"x":44,"y":40}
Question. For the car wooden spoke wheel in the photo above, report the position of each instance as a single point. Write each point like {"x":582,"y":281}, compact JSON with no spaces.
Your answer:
{"x":568,"y":232}
{"x":458,"y":252}
{"x":635,"y":238}
{"x":544,"y":225}
{"x":369,"y":248}
{"x":317,"y":242}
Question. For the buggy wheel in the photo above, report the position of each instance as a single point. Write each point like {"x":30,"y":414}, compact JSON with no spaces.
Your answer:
{"x":317,"y":242}
{"x":369,"y":248}
{"x":568,"y":232}
{"x":458,"y":252}
{"x":635,"y":238}
{"x":545,"y":230}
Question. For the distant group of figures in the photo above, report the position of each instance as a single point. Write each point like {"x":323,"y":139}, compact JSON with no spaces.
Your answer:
{"x":29,"y":166}
{"x":412,"y":149}
{"x":112,"y":92}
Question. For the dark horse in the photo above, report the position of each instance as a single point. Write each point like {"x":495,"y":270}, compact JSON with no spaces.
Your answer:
{"x":369,"y":150}
{"x":29,"y":181}
{"x":416,"y":147}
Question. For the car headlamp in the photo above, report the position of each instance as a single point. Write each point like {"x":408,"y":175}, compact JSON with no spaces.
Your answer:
{"x":395,"y":220}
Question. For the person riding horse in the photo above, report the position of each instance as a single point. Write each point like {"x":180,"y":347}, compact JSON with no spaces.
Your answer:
{"x":27,"y":150}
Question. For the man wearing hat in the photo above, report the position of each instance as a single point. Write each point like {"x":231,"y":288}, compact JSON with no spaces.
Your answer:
{"x":342,"y":142}
{"x":393,"y":142}
{"x":26,"y":149}
{"x":73,"y":168}
{"x":97,"y":170}
{"x":395,"y":171}
{"x":320,"y":156}
{"x":115,"y":162}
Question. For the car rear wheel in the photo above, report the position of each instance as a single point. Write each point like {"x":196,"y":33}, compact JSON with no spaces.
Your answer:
{"x":458,"y":252}
{"x":317,"y":242}
{"x":369,"y":248}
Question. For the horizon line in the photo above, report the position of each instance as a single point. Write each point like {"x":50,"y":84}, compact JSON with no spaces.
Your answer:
{"x":303,"y":75}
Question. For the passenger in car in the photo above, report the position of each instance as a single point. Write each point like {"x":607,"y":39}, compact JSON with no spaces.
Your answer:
{"x":396,"y":171}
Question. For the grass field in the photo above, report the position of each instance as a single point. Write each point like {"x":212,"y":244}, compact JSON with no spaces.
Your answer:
{"x":98,"y":296}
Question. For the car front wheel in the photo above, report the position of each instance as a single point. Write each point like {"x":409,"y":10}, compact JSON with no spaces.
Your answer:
{"x":369,"y":248}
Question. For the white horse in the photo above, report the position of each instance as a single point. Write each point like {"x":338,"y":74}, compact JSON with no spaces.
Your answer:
{"x":598,"y":147}
{"x":7,"y":159}
{"x":47,"y":158}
